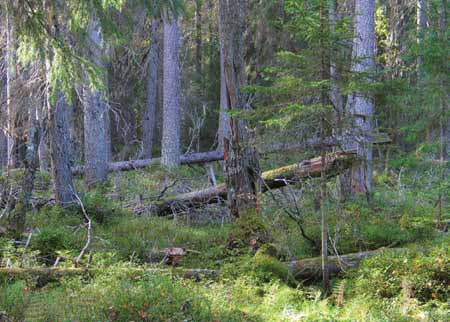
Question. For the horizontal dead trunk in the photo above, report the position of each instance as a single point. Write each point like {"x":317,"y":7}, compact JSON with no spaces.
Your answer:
{"x":305,"y":269}
{"x":273,"y":179}
{"x":311,"y":268}
{"x":211,"y":156}
{"x":68,"y":271}
{"x":193,"y":158}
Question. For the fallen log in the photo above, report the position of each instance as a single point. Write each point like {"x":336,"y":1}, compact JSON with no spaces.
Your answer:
{"x":191,"y":158}
{"x":311,"y":268}
{"x":334,"y":163}
{"x":211,"y":156}
{"x":304,"y":269}
{"x":191,"y":273}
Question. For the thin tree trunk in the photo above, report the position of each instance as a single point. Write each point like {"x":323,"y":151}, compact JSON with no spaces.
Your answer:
{"x":3,"y":128}
{"x":325,"y":69}
{"x":360,"y":104}
{"x":170,"y":149}
{"x":22,"y":205}
{"x":43,"y":150}
{"x":96,"y":148}
{"x":242,"y":169}
{"x":11,"y":104}
{"x":445,"y":119}
{"x":420,"y":26}
{"x":149,"y":119}
{"x":336,"y":97}
{"x":198,"y":37}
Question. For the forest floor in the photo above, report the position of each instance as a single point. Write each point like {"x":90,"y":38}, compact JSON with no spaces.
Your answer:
{"x":127,"y":278}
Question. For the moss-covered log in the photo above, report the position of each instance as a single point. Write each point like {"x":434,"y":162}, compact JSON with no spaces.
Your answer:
{"x":70,"y":271}
{"x":305,"y":269}
{"x":311,"y":268}
{"x":335,"y":162}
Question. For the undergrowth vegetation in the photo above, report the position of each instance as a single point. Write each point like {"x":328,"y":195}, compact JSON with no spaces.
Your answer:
{"x":127,"y":279}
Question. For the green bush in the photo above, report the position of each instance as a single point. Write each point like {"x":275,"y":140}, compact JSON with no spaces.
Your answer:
{"x":415,"y":273}
{"x":48,"y":241}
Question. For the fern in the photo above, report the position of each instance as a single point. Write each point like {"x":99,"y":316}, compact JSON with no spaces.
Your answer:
{"x":338,"y":293}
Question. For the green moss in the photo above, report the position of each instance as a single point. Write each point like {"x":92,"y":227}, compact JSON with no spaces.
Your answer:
{"x":266,"y":268}
{"x":250,"y":226}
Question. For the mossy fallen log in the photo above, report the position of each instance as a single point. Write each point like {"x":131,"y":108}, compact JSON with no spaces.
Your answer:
{"x":311,"y":268}
{"x":71,"y":271}
{"x":304,"y":269}
{"x":273,"y":179}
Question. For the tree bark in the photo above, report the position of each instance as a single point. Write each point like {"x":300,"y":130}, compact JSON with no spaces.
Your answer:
{"x":360,"y":104}
{"x":59,"y":145}
{"x":273,"y":179}
{"x":170,"y":149}
{"x":149,"y":118}
{"x":43,"y":151}
{"x":58,"y":127}
{"x":242,"y":170}
{"x":96,"y":148}
{"x":224,"y":120}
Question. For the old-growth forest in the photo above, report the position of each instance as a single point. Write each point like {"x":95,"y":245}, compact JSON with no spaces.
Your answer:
{"x":224,"y":160}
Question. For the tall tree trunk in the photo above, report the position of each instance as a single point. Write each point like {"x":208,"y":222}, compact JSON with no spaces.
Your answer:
{"x":96,"y":147}
{"x":224,"y":120}
{"x":325,"y":70}
{"x":420,"y":26}
{"x":445,"y":119}
{"x":335,"y":94}
{"x":11,"y":99}
{"x":149,"y":119}
{"x":20,"y":206}
{"x":58,"y":127}
{"x":360,"y":104}
{"x":198,"y":37}
{"x":242,"y":170}
{"x":337,"y":99}
{"x":58,"y":131}
{"x":170,"y":154}
{"x":43,"y":150}
{"x":3,"y":128}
